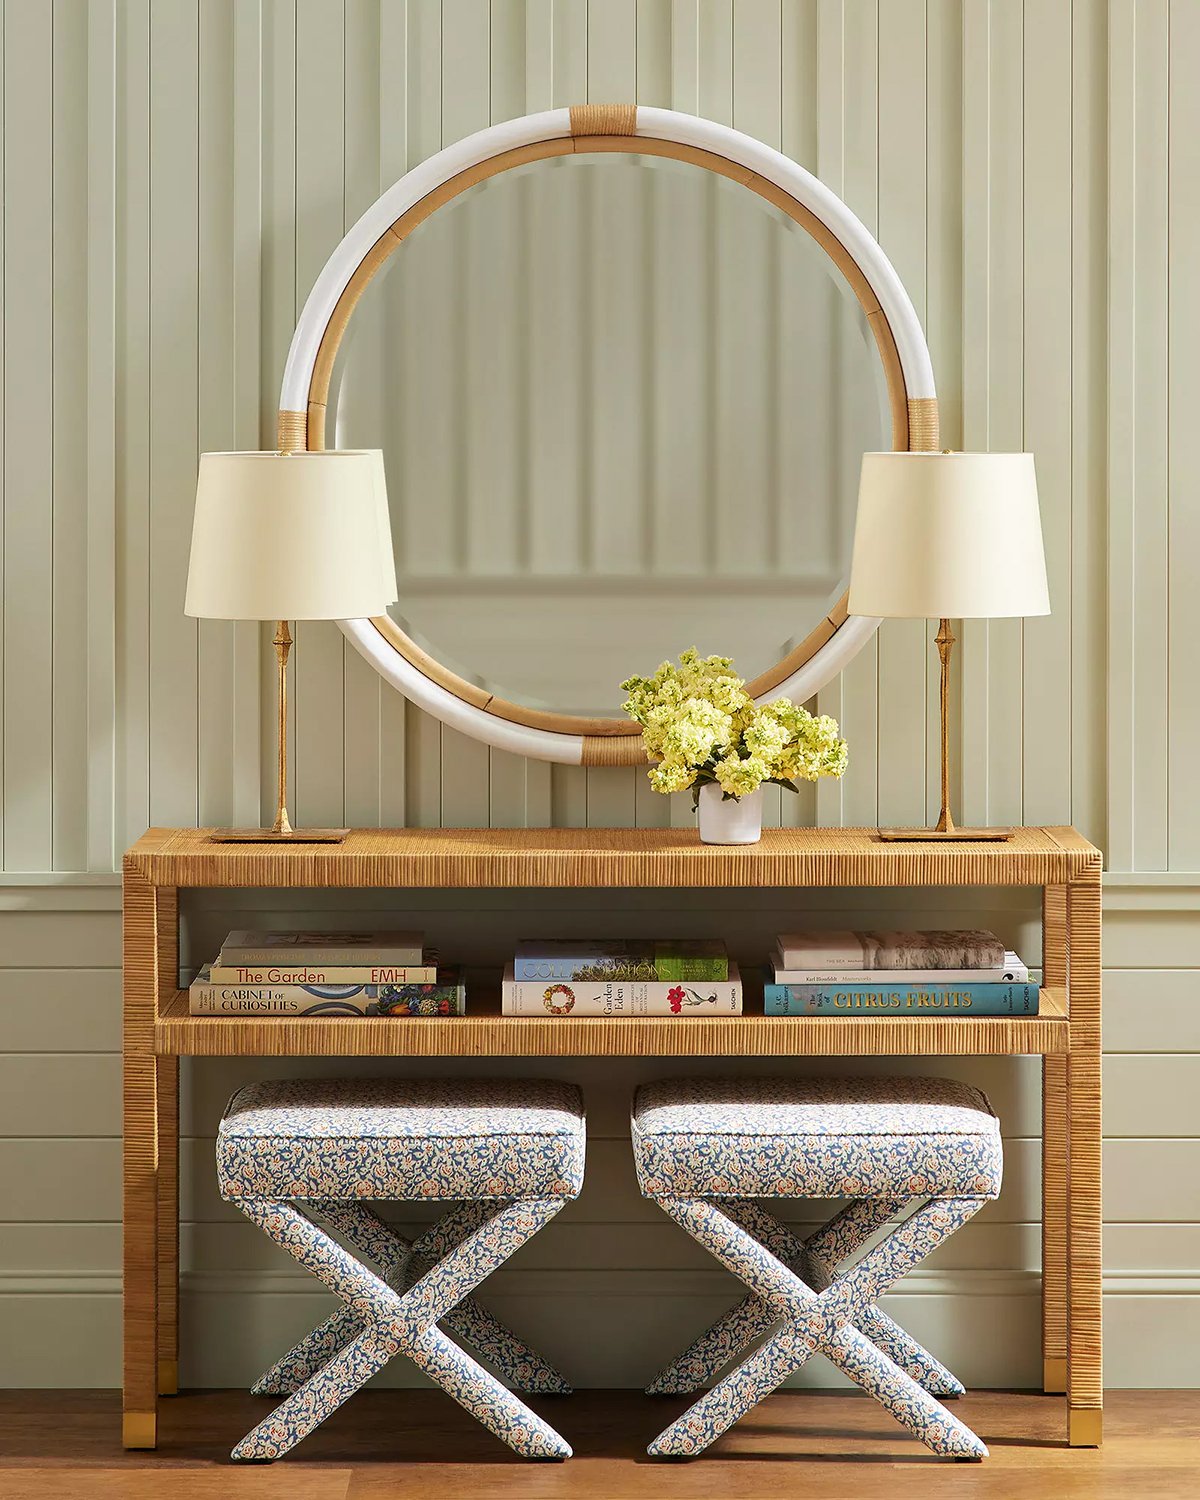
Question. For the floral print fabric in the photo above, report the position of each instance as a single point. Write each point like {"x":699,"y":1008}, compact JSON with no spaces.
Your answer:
{"x":314,"y":1139}
{"x":815,"y":1138}
{"x":332,"y":1144}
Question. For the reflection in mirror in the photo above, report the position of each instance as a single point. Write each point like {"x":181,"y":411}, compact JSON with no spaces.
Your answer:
{"x":622,"y":403}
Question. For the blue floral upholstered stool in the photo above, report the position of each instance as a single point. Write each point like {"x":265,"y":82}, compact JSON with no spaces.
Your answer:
{"x":708,"y":1149}
{"x":509,"y":1154}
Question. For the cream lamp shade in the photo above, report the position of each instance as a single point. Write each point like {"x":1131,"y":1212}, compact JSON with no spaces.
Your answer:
{"x":291,"y":536}
{"x":948,"y":536}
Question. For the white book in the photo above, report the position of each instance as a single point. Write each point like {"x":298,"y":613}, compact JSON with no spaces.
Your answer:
{"x":622,"y":997}
{"x":939,"y":948}
{"x":1012,"y":971}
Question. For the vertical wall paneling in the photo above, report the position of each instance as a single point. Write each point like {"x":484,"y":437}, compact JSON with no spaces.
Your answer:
{"x":391,"y":81}
{"x":173,"y":400}
{"x":216,"y":702}
{"x":853,"y":30}
{"x":944,"y":328}
{"x":1089,"y":375}
{"x":1150,"y":417}
{"x":132,"y":446}
{"x":29,"y":432}
{"x":281,"y":301}
{"x":69,"y":592}
{"x":1183,"y":535}
{"x":321,"y":101}
{"x":100,"y":436}
{"x":1122,"y":233}
{"x":365,"y":92}
{"x":466,"y":108}
{"x":903,"y":645}
{"x":829,"y":165}
{"x":1047,"y":417}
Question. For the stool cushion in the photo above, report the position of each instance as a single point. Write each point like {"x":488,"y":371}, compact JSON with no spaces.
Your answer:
{"x":815,"y":1138}
{"x":402,"y":1138}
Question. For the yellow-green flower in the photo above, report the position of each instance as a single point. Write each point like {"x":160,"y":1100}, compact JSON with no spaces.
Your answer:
{"x":698,"y":722}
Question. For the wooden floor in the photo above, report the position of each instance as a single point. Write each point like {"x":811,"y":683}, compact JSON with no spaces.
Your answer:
{"x":417,"y":1445}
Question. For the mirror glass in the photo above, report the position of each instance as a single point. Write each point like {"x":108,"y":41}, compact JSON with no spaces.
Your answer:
{"x":622,"y":403}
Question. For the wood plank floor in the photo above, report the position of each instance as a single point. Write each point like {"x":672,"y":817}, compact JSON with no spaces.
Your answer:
{"x":417,"y":1445}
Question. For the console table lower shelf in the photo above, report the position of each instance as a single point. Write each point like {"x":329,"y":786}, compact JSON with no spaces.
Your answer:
{"x":484,"y":1032}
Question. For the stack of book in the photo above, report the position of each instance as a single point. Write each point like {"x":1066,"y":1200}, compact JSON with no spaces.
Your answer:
{"x":326,"y":974}
{"x":967,"y":973}
{"x":625,"y":977}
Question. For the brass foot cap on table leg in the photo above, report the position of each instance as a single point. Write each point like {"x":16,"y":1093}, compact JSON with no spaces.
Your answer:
{"x":1085,"y":1427}
{"x":138,"y":1429}
{"x":1054,"y":1375}
{"x":168,"y":1377}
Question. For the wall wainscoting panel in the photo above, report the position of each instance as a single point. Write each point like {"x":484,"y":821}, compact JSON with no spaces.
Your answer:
{"x":174,"y":177}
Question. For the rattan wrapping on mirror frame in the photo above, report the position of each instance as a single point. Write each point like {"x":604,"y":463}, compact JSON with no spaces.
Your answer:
{"x":607,"y":128}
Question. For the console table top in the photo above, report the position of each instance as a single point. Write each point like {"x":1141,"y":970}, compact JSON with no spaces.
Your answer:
{"x":597,"y":857}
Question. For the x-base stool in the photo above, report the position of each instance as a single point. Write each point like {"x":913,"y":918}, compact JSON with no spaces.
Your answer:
{"x":709,"y":1150}
{"x":505,"y":1156}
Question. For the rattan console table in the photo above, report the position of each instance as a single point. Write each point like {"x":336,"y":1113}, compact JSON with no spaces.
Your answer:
{"x":158,"y":1029}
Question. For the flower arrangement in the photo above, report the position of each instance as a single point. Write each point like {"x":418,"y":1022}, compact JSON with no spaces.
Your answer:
{"x":699,"y":725}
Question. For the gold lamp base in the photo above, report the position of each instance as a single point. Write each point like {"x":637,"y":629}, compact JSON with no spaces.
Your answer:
{"x":283,"y":832}
{"x":944,"y":835}
{"x":946,"y":831}
{"x":278,"y":835}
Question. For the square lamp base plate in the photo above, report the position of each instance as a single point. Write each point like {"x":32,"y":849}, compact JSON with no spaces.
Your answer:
{"x":944,"y":835}
{"x":269,"y":836}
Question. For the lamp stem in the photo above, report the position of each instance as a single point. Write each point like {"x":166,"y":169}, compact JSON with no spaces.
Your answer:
{"x":283,"y":645}
{"x":945,"y":644}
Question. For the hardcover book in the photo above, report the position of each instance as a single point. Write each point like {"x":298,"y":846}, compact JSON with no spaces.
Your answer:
{"x":1013,"y":971}
{"x":900,"y":1000}
{"x":938,"y":949}
{"x":446,"y":998}
{"x":241,"y":949}
{"x":622,"y":997}
{"x":306,"y":973}
{"x":674,"y":960}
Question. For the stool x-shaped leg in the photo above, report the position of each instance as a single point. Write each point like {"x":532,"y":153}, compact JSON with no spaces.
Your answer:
{"x":823,"y":1322}
{"x":401,"y":1263}
{"x":393,"y":1322}
{"x":815,"y":1261}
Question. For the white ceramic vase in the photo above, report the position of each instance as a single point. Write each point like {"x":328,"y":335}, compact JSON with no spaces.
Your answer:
{"x":729,"y":820}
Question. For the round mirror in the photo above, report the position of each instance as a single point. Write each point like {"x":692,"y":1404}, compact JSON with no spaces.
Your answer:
{"x":623,"y":371}
{"x":623,"y":403}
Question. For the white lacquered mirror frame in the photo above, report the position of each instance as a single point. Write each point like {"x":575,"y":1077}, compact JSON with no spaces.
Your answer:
{"x":544,"y":735}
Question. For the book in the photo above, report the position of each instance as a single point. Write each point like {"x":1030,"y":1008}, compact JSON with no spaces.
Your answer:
{"x":446,"y":998}
{"x":305,"y":973}
{"x":241,"y":949}
{"x":622,"y":997}
{"x":939,"y":949}
{"x":674,"y":960}
{"x":1013,"y":971}
{"x":878,"y":1000}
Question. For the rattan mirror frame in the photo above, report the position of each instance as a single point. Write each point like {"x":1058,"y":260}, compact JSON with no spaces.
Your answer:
{"x":383,"y":228}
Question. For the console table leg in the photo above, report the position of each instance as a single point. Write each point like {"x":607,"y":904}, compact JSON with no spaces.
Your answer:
{"x":140,"y":1161}
{"x":1055,"y":1146}
{"x":1085,"y":1396}
{"x":167,"y":1069}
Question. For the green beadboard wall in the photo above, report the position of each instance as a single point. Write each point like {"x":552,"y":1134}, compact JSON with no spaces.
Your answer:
{"x":175,"y":173}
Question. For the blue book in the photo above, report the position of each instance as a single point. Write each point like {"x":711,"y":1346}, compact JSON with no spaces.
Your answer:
{"x":900,"y":999}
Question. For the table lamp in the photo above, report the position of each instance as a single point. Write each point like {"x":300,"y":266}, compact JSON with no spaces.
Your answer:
{"x":947,"y":536}
{"x":290,"y":536}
